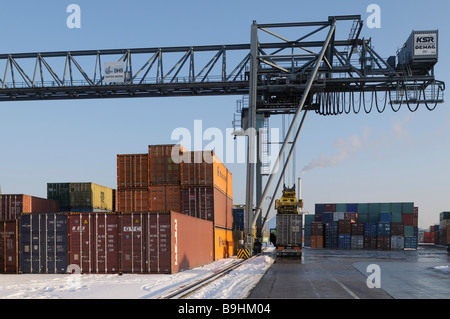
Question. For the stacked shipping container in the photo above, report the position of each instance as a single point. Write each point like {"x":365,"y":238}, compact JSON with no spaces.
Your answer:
{"x":150,"y":242}
{"x":81,"y":197}
{"x":12,"y":206}
{"x":444,"y":228}
{"x":193,"y":183}
{"x":381,"y":226}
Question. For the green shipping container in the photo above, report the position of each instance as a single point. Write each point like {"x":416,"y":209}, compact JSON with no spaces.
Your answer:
{"x":407,"y":208}
{"x":81,"y":196}
{"x":374,"y":208}
{"x":385,"y":207}
{"x":444,"y":216}
{"x":363,"y":209}
{"x":396,"y":208}
{"x":309,"y":219}
{"x":409,"y":231}
{"x":396,"y":217}
{"x":59,"y":192}
{"x":363,"y":218}
{"x":341,"y":208}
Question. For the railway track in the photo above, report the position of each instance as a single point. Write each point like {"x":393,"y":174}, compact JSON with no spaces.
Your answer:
{"x":185,"y":291}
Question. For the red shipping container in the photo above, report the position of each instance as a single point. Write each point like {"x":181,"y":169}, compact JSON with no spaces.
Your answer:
{"x":316,"y":229}
{"x":357,"y":228}
{"x":156,"y":242}
{"x":198,"y":202}
{"x":344,"y":226}
{"x":408,"y":219}
{"x":133,"y":200}
{"x":9,"y":261}
{"x":370,"y":242}
{"x":397,"y":229}
{"x":94,"y":242}
{"x":208,"y":203}
{"x":330,"y":208}
{"x":132,"y":171}
{"x":12,"y":205}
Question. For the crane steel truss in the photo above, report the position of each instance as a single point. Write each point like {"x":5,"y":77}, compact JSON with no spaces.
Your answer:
{"x":317,"y":71}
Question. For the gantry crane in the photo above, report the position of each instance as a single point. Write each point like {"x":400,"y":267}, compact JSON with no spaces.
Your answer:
{"x":308,"y":69}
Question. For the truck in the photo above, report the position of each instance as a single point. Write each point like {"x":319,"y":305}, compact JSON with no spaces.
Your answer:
{"x":288,"y":234}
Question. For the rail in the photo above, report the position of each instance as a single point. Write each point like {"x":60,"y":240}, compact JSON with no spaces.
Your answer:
{"x":184,"y":291}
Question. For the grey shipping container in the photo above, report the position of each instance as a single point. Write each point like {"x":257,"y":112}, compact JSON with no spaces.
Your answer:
{"x":397,"y":242}
{"x":289,"y":229}
{"x":43,"y":243}
{"x":357,"y":242}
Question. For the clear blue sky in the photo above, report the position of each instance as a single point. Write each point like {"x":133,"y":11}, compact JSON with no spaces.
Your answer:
{"x":401,"y":156}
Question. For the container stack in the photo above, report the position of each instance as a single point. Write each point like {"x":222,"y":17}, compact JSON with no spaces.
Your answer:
{"x":382,"y":226}
{"x":170,"y":178}
{"x":81,"y":197}
{"x":444,"y":228}
{"x":12,"y":208}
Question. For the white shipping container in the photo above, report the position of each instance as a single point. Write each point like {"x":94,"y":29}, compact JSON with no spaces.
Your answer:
{"x":338,"y":216}
{"x":397,"y":242}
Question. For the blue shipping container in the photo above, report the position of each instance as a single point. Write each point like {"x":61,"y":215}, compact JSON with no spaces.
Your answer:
{"x":370,"y":229}
{"x":411,"y":242}
{"x":327,"y":217}
{"x":238,"y":219}
{"x":43,"y":243}
{"x":331,"y":235}
{"x":384,"y":229}
{"x":385,"y":217}
{"x":320,"y":208}
{"x":352,"y":208}
{"x":344,"y":241}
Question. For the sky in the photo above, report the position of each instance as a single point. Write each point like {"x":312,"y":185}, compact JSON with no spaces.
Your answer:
{"x":389,"y":157}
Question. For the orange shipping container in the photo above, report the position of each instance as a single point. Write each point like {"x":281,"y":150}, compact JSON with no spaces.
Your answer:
{"x":203,"y":168}
{"x":132,"y":171}
{"x":165,"y":198}
{"x":163,"y":167}
{"x":133,"y":200}
{"x":316,"y":241}
{"x":223,"y":243}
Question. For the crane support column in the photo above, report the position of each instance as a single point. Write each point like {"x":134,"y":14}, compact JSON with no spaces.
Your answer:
{"x":251,"y":132}
{"x":309,"y":84}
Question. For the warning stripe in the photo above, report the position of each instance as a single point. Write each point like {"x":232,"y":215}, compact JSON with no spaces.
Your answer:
{"x":243,"y":253}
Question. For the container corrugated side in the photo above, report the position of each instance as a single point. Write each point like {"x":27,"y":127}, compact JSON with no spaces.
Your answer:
{"x":289,"y":229}
{"x":164,"y":164}
{"x":13,"y":205}
{"x":43,"y":243}
{"x":133,"y":200}
{"x":9,"y":258}
{"x":205,"y":169}
{"x":94,"y":242}
{"x":164,"y":242}
{"x":132,"y":171}
{"x":223,"y":243}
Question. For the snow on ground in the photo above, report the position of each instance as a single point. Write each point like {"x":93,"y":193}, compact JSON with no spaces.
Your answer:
{"x":443,"y":268}
{"x":237,"y":284}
